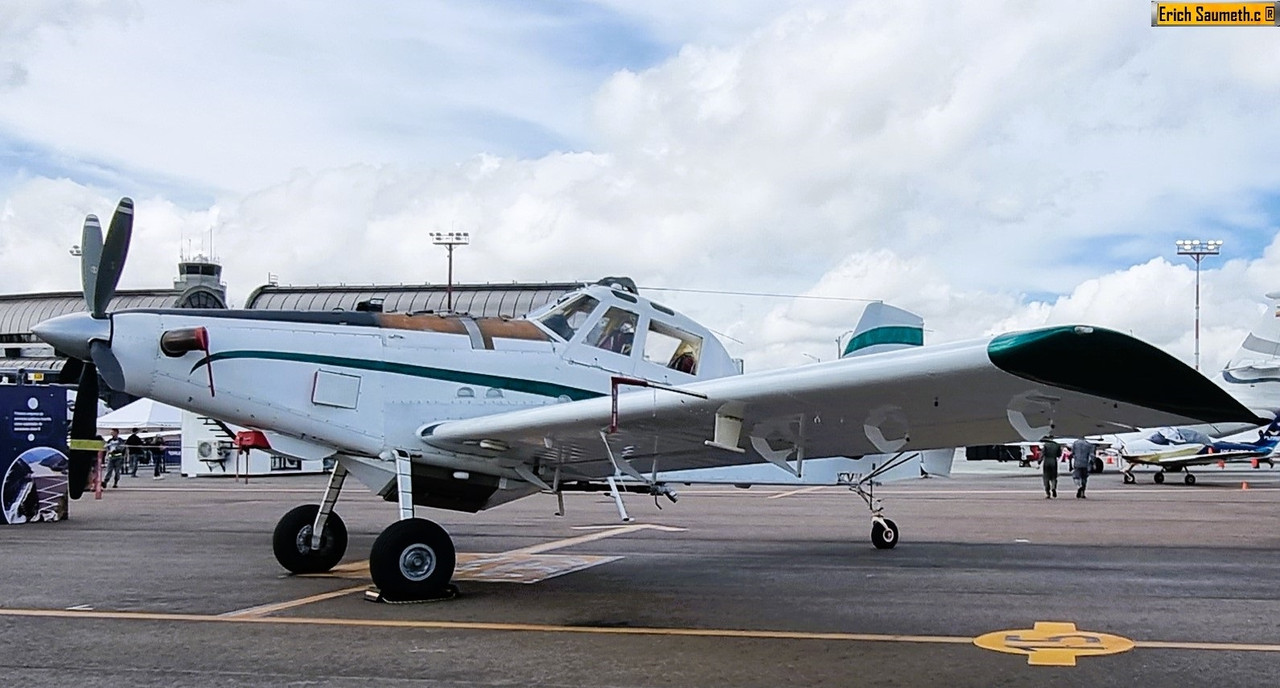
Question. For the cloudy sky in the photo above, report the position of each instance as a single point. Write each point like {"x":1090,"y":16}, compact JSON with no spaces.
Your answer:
{"x":990,"y":165}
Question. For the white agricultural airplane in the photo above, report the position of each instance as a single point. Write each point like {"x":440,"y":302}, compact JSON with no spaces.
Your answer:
{"x":461,"y":413}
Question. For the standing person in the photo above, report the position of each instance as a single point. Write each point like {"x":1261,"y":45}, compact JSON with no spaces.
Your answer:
{"x":1081,"y":459}
{"x":133,"y":448}
{"x":157,"y":457}
{"x":1049,"y":455}
{"x":114,"y":447}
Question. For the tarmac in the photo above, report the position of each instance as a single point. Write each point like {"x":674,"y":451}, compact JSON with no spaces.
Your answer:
{"x":173,"y":582}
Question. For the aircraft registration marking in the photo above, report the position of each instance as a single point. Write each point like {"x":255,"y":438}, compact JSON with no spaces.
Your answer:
{"x":1054,"y":643}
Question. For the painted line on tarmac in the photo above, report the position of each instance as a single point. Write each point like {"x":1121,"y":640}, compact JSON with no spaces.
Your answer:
{"x":792,"y":493}
{"x":588,"y":630}
{"x":602,"y":533}
{"x":488,"y":626}
{"x":265,"y":609}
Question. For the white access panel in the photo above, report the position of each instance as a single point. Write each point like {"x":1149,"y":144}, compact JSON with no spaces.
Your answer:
{"x":336,"y":389}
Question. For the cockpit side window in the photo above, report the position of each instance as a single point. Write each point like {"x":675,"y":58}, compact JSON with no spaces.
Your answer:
{"x":672,"y":347}
{"x":567,"y":318}
{"x":615,"y":332}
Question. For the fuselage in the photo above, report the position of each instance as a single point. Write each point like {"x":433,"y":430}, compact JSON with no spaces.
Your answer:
{"x":363,"y":383}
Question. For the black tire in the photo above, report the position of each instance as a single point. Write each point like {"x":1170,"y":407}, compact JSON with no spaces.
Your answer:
{"x":1096,"y":465}
{"x":1129,"y":479}
{"x":411,"y":560}
{"x":1189,"y":479}
{"x":1158,"y":477}
{"x":292,"y":541}
{"x":884,"y":535}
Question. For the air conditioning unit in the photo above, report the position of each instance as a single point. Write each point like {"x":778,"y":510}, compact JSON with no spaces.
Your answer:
{"x":207,"y":449}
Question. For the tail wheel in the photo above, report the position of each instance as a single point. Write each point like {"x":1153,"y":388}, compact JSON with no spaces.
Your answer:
{"x":884,"y":534}
{"x":1129,"y":479}
{"x":292,"y":541}
{"x":412,"y":559}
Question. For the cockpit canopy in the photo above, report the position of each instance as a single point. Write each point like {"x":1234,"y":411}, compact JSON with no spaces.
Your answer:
{"x":616,"y":320}
{"x":1179,"y":436}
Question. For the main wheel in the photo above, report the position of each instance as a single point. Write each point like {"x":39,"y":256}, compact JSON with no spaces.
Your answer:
{"x":412,"y":559}
{"x":292,"y":541}
{"x":1129,"y":479}
{"x":1190,"y":479}
{"x":884,"y":534}
{"x":1158,"y":477}
{"x":1096,"y":465}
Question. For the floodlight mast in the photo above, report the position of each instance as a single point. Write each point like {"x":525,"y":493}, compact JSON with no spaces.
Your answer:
{"x":449,"y":240}
{"x":1197,"y":250}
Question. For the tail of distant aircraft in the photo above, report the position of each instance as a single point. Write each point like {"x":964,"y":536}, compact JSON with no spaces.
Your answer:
{"x":884,"y":328}
{"x":1253,"y":373}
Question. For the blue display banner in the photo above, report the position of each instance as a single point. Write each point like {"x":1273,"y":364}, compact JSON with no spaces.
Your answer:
{"x":33,"y":453}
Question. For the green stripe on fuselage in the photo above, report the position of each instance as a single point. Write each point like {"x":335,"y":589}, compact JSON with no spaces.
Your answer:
{"x":546,"y":389}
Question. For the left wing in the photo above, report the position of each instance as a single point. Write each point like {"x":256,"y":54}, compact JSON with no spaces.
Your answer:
{"x":1065,"y":381}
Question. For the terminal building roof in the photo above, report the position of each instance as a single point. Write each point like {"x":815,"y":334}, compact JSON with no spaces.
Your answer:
{"x":510,"y":300}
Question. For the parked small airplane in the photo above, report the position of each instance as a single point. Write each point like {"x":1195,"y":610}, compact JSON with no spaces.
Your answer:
{"x":1178,"y":449}
{"x":448,"y":411}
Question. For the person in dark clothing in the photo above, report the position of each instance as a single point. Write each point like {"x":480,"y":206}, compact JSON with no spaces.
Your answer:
{"x":133,"y":447}
{"x":157,"y":457}
{"x":1049,"y":456}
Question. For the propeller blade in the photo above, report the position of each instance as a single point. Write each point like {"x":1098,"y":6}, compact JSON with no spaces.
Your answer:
{"x":108,"y":365}
{"x":114,"y":251}
{"x":84,"y":432}
{"x":90,"y":256}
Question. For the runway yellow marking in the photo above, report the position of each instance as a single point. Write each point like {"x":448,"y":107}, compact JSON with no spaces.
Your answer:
{"x":599,"y":630}
{"x":488,"y":626}
{"x":789,"y":493}
{"x":264,"y":609}
{"x":1054,"y":643}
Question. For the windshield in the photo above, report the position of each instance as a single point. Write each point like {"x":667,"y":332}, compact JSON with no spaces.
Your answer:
{"x":568,"y":317}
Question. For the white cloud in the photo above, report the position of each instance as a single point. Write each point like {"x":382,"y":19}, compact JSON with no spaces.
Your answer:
{"x":960,"y":164}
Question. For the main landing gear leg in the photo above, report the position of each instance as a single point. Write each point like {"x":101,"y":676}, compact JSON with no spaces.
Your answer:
{"x":413,"y":559}
{"x":311,"y":538}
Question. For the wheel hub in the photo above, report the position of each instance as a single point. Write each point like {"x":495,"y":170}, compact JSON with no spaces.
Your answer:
{"x":417,"y":562}
{"x":303,"y":540}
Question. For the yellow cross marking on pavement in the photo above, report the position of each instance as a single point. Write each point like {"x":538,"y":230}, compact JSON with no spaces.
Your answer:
{"x":1053,"y":643}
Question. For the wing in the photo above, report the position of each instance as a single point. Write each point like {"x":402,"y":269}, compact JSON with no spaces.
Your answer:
{"x":1066,"y":381}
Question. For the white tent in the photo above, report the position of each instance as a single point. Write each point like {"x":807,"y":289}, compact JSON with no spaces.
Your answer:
{"x":144,"y":414}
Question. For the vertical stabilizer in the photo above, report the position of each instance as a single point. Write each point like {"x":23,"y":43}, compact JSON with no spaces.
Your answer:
{"x":884,"y":328}
{"x":1253,"y":373}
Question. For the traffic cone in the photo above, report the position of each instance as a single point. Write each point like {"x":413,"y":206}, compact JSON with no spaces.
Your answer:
{"x":1110,"y":461}
{"x":1244,"y":485}
{"x":1222,"y":464}
{"x":1254,"y":463}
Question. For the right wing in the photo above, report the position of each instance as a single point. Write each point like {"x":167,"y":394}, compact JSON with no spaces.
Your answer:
{"x":1066,"y":381}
